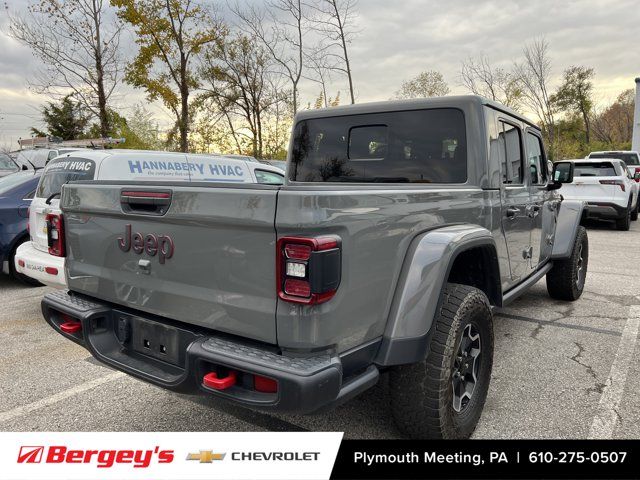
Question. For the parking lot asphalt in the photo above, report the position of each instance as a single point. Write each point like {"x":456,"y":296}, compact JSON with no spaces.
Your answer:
{"x":561,"y":370}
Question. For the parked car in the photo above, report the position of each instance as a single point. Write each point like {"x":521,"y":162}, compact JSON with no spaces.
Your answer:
{"x":39,"y":157}
{"x":629,"y":157}
{"x":7,"y":165}
{"x":399,"y":229}
{"x":16,"y":192}
{"x":47,"y":265}
{"x":607,"y":187}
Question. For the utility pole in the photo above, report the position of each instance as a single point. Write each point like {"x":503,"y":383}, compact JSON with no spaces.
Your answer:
{"x":635,"y":142}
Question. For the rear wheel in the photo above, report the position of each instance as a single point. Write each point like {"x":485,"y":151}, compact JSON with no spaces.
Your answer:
{"x":443,"y":396}
{"x":624,"y":223}
{"x":17,"y":275}
{"x":565,"y":281}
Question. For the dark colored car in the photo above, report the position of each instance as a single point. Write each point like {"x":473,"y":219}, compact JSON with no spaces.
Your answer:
{"x":7,"y":165}
{"x":16,"y":192}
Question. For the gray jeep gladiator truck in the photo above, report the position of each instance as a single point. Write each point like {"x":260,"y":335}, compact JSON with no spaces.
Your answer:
{"x":399,"y":230}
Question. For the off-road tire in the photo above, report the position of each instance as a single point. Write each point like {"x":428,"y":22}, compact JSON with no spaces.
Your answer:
{"x":422,"y":393}
{"x":563,"y":282}
{"x":17,"y":275}
{"x":624,"y":223}
{"x":634,"y":213}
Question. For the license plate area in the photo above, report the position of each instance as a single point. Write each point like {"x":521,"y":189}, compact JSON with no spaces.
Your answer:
{"x":154,"y":339}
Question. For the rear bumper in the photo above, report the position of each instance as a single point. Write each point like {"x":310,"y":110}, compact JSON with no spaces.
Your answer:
{"x":116,"y":337}
{"x":607,"y":211}
{"x":40,"y":266}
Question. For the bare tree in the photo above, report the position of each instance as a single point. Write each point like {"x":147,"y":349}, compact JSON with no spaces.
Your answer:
{"x":534,"y":78}
{"x":238,"y":81}
{"x":280,"y":28}
{"x":321,"y":67}
{"x":334,"y":19}
{"x":495,"y":83}
{"x":78,"y":43}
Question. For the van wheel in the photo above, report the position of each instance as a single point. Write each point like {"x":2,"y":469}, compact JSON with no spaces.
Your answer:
{"x":565,"y":281}
{"x":625,"y":222}
{"x":17,"y":275}
{"x":443,"y":396}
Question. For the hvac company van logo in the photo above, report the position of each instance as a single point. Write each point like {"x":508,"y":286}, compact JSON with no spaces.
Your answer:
{"x":206,"y":456}
{"x":30,"y":454}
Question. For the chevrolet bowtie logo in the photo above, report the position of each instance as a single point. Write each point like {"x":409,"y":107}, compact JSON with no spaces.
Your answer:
{"x":206,"y":456}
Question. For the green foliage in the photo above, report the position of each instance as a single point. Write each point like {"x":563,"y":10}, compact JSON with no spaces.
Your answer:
{"x":66,"y":119}
{"x":427,"y":84}
{"x":574,"y":94}
{"x":170,"y":34}
{"x":573,"y":97}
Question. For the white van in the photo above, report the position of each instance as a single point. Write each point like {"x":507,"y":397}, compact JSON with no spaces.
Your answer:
{"x":43,"y":258}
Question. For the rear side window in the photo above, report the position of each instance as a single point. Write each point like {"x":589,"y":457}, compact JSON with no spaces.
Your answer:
{"x":420,"y":146}
{"x":537,"y":163}
{"x":510,"y":138}
{"x":603,"y":169}
{"x":64,"y":170}
{"x":269,"y":178}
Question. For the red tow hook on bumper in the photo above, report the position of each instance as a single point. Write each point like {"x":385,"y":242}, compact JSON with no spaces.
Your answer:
{"x":211,"y":380}
{"x":71,"y":327}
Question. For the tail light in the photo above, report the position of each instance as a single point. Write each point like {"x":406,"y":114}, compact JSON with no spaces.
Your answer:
{"x":308,"y":270}
{"x":55,"y":234}
{"x":636,"y":171}
{"x":620,"y":183}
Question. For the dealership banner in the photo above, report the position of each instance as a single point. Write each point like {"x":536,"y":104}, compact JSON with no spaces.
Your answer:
{"x":167,"y":455}
{"x":305,"y":455}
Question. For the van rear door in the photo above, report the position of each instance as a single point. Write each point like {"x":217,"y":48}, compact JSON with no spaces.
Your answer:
{"x":57,"y":173}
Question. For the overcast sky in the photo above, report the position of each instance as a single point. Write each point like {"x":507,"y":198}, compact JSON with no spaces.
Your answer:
{"x":399,"y":39}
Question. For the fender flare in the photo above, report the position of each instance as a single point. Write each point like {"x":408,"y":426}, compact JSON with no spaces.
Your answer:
{"x":570,"y":213}
{"x":424,"y":273}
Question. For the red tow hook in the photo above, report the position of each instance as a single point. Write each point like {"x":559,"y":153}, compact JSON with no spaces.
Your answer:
{"x":211,"y":380}
{"x":71,"y":327}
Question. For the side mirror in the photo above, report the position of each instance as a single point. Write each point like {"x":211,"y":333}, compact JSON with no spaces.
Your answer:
{"x":562,"y":173}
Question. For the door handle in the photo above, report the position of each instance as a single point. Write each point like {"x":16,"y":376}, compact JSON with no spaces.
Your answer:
{"x":512,"y":212}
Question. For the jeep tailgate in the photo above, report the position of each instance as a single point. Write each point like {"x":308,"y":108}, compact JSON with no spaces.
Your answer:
{"x":207,"y":261}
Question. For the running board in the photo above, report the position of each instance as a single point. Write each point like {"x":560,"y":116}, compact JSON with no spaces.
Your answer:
{"x":518,"y":290}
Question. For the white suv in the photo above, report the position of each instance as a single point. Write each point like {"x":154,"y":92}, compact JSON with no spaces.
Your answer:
{"x":43,"y":258}
{"x":629,"y":157}
{"x":608,"y":188}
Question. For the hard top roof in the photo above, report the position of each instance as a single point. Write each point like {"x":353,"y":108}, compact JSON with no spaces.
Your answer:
{"x":453,"y":101}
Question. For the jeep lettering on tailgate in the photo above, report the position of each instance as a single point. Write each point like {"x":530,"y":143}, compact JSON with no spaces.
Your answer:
{"x":150,"y":243}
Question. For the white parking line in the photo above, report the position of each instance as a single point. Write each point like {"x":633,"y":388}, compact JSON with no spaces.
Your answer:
{"x":58,"y":397}
{"x":606,"y":417}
